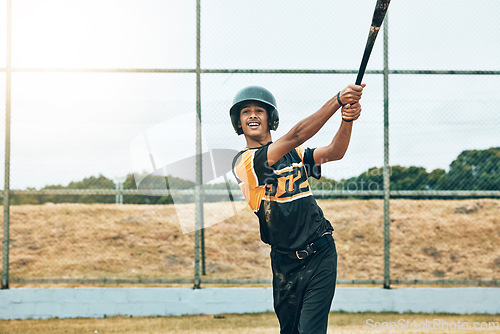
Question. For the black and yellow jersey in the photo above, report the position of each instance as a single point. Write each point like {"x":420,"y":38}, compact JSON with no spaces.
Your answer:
{"x":281,"y":197}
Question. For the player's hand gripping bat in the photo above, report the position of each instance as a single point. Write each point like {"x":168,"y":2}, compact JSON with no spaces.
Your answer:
{"x":378,"y":18}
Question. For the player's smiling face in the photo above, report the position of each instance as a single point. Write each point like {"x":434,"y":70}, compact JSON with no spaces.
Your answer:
{"x":253,"y":120}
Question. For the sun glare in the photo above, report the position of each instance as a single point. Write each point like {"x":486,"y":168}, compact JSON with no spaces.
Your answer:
{"x":102,"y":34}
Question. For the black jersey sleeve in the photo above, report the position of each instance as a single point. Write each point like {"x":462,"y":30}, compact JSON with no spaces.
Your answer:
{"x":308,"y":160}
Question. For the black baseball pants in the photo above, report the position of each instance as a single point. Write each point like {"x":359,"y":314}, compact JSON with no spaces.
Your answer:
{"x":303,"y":290}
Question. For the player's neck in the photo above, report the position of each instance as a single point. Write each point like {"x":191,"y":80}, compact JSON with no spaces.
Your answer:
{"x":253,"y":142}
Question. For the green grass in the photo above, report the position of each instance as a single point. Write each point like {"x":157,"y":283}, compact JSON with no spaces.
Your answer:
{"x":261,"y":323}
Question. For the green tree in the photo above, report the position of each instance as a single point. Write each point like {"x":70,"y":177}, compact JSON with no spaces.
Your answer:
{"x":474,"y":170}
{"x":99,"y":182}
{"x":409,"y":178}
{"x":435,"y":178}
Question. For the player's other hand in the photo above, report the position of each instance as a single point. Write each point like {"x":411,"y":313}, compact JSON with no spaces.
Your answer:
{"x":351,"y":112}
{"x":351,"y":94}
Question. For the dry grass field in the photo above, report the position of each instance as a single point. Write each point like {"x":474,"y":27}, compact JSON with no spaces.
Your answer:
{"x":263,"y":323}
{"x":431,"y":239}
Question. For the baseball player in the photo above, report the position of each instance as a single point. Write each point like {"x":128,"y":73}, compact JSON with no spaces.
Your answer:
{"x":273,"y":177}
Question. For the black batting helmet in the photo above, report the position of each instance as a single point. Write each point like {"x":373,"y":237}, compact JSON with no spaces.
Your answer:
{"x":254,"y":94}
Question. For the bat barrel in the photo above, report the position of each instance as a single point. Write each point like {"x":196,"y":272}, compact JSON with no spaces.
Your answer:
{"x":378,"y":18}
{"x":379,"y":13}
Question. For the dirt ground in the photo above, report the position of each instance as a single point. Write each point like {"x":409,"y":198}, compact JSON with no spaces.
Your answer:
{"x":430,"y":239}
{"x":261,"y":323}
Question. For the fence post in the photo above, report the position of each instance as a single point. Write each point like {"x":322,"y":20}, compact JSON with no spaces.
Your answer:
{"x":6,"y":189}
{"x":387,"y":222}
{"x":199,"y":167}
{"x":119,"y":189}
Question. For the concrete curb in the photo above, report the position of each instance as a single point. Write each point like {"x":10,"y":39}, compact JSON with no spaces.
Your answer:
{"x":26,"y":303}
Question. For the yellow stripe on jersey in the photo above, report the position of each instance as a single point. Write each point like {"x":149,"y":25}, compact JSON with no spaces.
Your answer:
{"x":288,"y":199}
{"x":249,"y":184}
{"x":290,"y":168}
{"x":292,"y":181}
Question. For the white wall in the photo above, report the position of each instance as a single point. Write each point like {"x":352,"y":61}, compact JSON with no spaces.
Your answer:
{"x":100,"y":302}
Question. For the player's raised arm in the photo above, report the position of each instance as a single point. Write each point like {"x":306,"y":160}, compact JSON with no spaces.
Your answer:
{"x":340,"y":142}
{"x":309,"y":126}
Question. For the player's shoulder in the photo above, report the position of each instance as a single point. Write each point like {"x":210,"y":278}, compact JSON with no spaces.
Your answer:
{"x":252,"y":156}
{"x":243,"y":156}
{"x":250,"y":151}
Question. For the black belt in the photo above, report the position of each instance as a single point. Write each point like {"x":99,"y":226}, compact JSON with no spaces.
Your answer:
{"x":311,"y":248}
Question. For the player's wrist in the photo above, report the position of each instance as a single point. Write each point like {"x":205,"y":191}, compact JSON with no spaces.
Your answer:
{"x":339,"y":101}
{"x":347,"y":120}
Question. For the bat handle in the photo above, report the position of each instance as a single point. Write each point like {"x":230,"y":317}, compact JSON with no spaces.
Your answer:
{"x":359,"y":78}
{"x":364,"y":61}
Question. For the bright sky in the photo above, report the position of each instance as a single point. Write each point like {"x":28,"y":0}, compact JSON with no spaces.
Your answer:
{"x":67,"y":126}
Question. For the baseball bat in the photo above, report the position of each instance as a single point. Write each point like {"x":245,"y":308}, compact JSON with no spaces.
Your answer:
{"x":378,"y":18}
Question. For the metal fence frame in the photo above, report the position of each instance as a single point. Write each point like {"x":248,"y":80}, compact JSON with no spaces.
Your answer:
{"x":198,"y":192}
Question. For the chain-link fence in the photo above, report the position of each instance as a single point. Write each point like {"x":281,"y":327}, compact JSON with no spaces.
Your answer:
{"x":118,"y":143}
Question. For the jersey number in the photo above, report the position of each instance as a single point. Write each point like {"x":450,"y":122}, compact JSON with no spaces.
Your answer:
{"x":289,"y":185}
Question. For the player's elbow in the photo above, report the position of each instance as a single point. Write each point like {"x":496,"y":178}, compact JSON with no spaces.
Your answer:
{"x":335,"y":154}
{"x":336,"y":157}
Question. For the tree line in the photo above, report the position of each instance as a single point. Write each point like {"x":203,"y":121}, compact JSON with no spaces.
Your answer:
{"x":471,"y":170}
